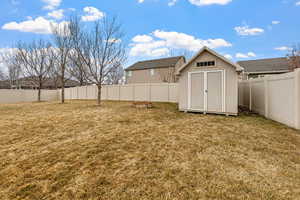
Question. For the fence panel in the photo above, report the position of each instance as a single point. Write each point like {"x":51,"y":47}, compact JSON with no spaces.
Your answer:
{"x":159,"y":92}
{"x":142,"y":92}
{"x":258,"y":96}
{"x":282,"y":100}
{"x":276,"y":97}
{"x":173,"y":93}
{"x":127,"y":93}
{"x":113,"y":92}
{"x":19,"y":96}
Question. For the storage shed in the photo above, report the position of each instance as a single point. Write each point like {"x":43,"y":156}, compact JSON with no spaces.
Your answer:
{"x":208,"y":83}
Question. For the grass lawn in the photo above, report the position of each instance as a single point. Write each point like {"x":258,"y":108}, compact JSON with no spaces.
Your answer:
{"x":81,"y":151}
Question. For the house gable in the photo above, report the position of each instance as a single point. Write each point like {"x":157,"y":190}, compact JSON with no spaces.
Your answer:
{"x":206,"y":54}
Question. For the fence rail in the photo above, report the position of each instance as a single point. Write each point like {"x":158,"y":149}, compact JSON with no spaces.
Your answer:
{"x":275,"y":97}
{"x":156,"y":92}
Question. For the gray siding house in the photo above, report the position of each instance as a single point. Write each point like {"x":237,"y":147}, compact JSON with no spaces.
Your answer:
{"x":154,"y":71}
{"x":263,"y":67}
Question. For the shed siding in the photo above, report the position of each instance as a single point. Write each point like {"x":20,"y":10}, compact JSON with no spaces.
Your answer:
{"x":231,"y":90}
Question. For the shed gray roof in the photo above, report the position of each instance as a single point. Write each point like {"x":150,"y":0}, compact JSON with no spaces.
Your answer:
{"x":157,"y":63}
{"x":265,"y":65}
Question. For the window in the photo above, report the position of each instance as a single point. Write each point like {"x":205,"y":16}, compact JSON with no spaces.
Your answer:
{"x":152,"y":72}
{"x":129,"y":73}
{"x":206,"y":63}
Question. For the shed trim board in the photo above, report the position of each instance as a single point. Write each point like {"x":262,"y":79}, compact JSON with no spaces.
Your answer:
{"x":205,"y":94}
{"x":237,"y":66}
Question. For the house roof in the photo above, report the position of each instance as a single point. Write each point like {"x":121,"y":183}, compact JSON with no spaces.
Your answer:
{"x":237,"y":66}
{"x":265,"y":65}
{"x":157,"y":63}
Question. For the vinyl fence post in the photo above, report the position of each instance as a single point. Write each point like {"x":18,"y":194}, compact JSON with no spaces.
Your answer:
{"x":119,"y":92}
{"x":86,"y":92}
{"x":297,"y":98}
{"x":77,"y":93}
{"x":266,"y":87}
{"x":107,"y":92}
{"x":168,"y":92}
{"x":250,"y":95}
{"x":149,"y":92}
{"x":133,"y":92}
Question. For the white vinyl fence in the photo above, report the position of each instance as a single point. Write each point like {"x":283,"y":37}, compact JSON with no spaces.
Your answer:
{"x":276,"y":97}
{"x":156,"y":92}
{"x":18,"y":96}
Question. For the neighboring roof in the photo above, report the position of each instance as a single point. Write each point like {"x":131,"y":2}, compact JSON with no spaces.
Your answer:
{"x":265,"y":65}
{"x":157,"y":63}
{"x":237,"y":66}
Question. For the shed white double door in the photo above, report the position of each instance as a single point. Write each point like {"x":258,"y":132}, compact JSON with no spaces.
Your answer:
{"x":207,"y":91}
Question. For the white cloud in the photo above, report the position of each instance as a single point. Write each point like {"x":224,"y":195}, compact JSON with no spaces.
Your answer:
{"x":251,"y":54}
{"x":146,"y":49}
{"x":209,"y":2}
{"x":283,"y":48}
{"x":275,"y":22}
{"x":246,"y":30}
{"x":184,"y":41}
{"x":144,"y":45}
{"x":92,"y":14}
{"x":298,"y":3}
{"x":51,"y":4}
{"x":142,"y":38}
{"x":141,"y":1}
{"x":248,"y":55}
{"x":40,"y":25}
{"x":172,"y":2}
{"x":57,"y":14}
{"x":228,"y":56}
{"x":160,"y":52}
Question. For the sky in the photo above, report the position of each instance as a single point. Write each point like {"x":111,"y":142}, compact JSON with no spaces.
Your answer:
{"x":237,"y":29}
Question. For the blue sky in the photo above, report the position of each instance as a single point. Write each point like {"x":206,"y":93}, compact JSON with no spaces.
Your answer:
{"x":239,"y":29}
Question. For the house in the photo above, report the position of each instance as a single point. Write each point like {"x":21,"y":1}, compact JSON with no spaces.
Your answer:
{"x":154,"y":71}
{"x":208,"y":83}
{"x":263,"y":67}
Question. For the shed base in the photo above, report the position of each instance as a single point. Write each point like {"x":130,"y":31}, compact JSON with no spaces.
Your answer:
{"x":208,"y":112}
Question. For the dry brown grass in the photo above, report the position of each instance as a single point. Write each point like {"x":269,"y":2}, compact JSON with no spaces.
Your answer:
{"x":81,"y":151}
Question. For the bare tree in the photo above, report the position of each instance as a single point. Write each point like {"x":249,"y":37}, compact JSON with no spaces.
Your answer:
{"x":63,"y":44}
{"x":77,"y":67}
{"x":53,"y":72}
{"x":34,"y":59}
{"x":2,"y":75}
{"x":102,"y":51}
{"x":116,"y":75}
{"x":14,"y":71}
{"x":294,"y":57}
